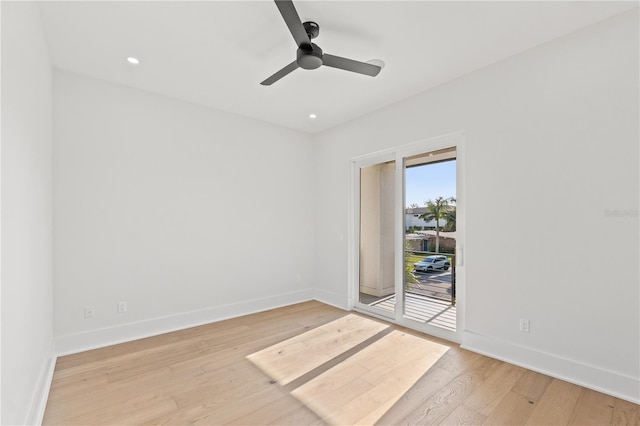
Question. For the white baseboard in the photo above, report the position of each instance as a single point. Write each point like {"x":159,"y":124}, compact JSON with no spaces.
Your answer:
{"x":41,"y":393}
{"x":93,"y":339}
{"x":609,"y":382}
{"x":330,"y":298}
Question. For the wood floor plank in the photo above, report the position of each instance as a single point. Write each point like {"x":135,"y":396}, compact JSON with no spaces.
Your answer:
{"x":556,"y":405}
{"x":439,"y":406}
{"x":285,"y":404}
{"x":462,"y":416}
{"x":514,"y":409}
{"x":238,"y":381}
{"x":82,"y":384}
{"x":532,"y":385}
{"x":592,"y":408}
{"x":90,"y":403}
{"x":457,"y":359}
{"x":390,"y":386}
{"x":448,"y":367}
{"x":300,"y":416}
{"x":489,"y":394}
{"x":137,"y":410}
{"x":422,"y":390}
{"x":626,"y":413}
{"x":230,"y":412}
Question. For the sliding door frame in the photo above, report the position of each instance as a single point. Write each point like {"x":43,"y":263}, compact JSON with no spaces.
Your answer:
{"x":399,"y":154}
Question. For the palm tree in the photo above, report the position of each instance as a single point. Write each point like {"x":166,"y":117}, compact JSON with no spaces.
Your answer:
{"x":437,"y":210}
{"x":450,"y":217}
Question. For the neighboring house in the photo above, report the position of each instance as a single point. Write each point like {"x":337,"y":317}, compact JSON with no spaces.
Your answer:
{"x":413,"y":220}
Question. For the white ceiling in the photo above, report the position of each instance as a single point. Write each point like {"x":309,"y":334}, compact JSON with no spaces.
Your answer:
{"x":215,"y":53}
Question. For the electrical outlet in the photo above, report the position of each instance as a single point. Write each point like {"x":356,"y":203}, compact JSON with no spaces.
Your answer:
{"x":122,"y":307}
{"x":89,"y":311}
{"x":525,"y":325}
{"x":299,"y":278}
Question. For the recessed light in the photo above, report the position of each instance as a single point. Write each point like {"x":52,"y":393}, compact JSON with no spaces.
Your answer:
{"x":312,"y":116}
{"x":132,"y":60}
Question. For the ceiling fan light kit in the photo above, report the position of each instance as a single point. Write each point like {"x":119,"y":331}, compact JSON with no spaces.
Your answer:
{"x":309,"y":55}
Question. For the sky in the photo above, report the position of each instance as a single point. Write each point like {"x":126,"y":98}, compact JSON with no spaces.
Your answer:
{"x":429,"y":182}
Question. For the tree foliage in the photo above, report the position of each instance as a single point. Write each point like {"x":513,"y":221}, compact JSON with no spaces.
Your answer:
{"x":437,"y":210}
{"x":450,"y":217}
{"x":409,"y":276}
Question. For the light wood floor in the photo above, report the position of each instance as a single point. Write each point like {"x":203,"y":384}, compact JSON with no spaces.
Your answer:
{"x":311,"y":364}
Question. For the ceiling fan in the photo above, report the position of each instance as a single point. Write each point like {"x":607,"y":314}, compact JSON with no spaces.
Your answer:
{"x":309,"y":55}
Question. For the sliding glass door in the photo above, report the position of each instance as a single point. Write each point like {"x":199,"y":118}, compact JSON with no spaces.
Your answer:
{"x":407,"y":231}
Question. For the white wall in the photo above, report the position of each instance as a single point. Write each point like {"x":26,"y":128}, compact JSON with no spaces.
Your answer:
{"x":152,"y":201}
{"x":26,"y":245}
{"x":553,"y":134}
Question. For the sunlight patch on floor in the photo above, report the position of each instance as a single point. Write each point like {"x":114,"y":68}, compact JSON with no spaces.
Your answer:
{"x":292,"y":358}
{"x":361,"y":389}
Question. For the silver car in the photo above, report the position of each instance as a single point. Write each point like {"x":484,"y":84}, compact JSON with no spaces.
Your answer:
{"x":430,"y":263}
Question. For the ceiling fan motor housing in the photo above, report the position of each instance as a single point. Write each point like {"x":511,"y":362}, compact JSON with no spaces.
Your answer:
{"x":309,"y":56}
{"x":311,"y":28}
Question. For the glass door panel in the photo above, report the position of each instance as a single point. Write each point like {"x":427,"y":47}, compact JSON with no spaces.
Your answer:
{"x":430,"y":239}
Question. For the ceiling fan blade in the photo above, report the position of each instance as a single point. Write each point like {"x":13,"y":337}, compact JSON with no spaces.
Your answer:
{"x":291,"y":18}
{"x":278,"y":75}
{"x":350,"y":65}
